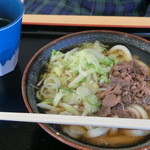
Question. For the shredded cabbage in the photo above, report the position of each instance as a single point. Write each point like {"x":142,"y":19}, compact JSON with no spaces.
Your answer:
{"x":72,"y":79}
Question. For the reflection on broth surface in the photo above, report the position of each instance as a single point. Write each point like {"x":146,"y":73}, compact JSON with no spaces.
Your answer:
{"x":95,"y":79}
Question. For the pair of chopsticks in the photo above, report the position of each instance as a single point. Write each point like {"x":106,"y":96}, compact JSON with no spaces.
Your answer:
{"x":143,"y":124}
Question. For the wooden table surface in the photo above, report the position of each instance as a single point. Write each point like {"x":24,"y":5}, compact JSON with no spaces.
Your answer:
{"x":94,"y":21}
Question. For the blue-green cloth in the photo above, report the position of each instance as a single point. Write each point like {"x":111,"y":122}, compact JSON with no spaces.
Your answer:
{"x":89,"y":7}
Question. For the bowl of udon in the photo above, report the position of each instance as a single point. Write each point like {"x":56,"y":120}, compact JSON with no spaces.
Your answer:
{"x":92,"y":73}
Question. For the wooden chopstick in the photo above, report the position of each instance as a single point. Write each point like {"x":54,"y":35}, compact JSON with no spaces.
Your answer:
{"x":92,"y":21}
{"x":77,"y":120}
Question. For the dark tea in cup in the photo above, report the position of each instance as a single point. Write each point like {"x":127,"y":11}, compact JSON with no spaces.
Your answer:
{"x":4,"y":22}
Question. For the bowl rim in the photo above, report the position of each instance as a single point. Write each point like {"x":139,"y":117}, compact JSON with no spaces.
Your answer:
{"x":27,"y":68}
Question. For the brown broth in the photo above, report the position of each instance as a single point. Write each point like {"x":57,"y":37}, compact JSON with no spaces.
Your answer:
{"x":119,"y":140}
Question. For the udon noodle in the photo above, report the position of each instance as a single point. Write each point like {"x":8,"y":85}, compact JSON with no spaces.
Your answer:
{"x":94,"y":79}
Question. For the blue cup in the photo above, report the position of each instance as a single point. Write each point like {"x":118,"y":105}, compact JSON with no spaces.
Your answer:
{"x":10,"y":34}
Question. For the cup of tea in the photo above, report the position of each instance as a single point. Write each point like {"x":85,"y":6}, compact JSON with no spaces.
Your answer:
{"x":11,"y":12}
